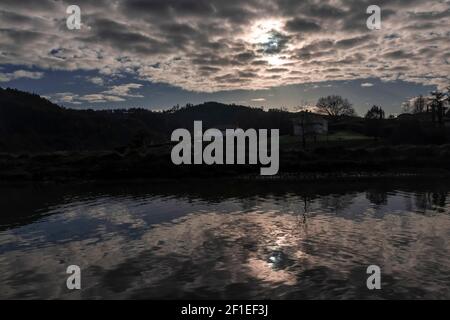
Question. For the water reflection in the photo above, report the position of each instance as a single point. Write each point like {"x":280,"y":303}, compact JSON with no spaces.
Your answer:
{"x":377,"y":197}
{"x":245,"y":240}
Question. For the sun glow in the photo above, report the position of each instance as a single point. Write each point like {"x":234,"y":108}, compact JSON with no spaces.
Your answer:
{"x":262,"y":30}
{"x":268,"y":35}
{"x":275,"y":60}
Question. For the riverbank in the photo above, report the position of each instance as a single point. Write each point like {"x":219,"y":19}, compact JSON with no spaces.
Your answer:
{"x":295,"y":164}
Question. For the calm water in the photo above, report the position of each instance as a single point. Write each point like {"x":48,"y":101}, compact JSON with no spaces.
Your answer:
{"x":226,"y":240}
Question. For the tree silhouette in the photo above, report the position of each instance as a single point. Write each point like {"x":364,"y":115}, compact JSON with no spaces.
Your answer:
{"x":335,"y":106}
{"x":373,"y":121}
{"x":375,"y":113}
{"x":419,"y":104}
{"x":447,"y":99}
{"x":437,"y":106}
{"x":33,"y":124}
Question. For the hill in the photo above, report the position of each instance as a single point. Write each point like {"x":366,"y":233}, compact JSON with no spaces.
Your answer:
{"x":42,"y":141}
{"x":30,"y":123}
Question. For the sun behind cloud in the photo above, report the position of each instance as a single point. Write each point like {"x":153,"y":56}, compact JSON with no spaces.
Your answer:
{"x":268,"y":36}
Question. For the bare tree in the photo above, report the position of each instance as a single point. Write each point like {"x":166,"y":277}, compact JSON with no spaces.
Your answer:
{"x":419,"y":104}
{"x":416,"y":105}
{"x":406,"y":106}
{"x":437,"y":106}
{"x":335,"y":106}
{"x":447,"y":99}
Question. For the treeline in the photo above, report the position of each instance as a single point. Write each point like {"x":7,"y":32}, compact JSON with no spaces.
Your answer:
{"x":30,"y":123}
{"x":436,"y":105}
{"x":425,"y":121}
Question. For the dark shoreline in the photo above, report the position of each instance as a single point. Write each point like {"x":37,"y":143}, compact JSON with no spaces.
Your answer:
{"x":319,"y":164}
{"x":319,"y":177}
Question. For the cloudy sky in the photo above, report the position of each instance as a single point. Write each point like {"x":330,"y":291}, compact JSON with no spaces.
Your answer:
{"x":273,"y":53}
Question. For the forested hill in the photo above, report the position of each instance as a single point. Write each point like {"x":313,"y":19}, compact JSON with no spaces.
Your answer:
{"x":30,"y":123}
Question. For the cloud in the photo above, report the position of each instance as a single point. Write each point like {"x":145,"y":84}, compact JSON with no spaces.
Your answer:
{"x":352,"y":42}
{"x":64,"y":98}
{"x":215,"y":45}
{"x":100,"y":98}
{"x":124,"y":90}
{"x":19,"y":74}
{"x":302,"y":25}
{"x":398,"y":54}
{"x":259,"y":100}
{"x":96,"y":80}
{"x":116,"y":93}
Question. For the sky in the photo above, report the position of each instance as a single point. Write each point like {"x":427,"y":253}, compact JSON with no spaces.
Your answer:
{"x":264,"y":53}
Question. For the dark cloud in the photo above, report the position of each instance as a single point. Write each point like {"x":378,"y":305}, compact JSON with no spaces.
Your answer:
{"x":247,"y":74}
{"x":210,"y":45}
{"x":422,"y":26}
{"x":119,"y":36}
{"x":352,"y":42}
{"x":398,"y":54}
{"x":429,"y":15}
{"x":245,"y":56}
{"x":31,"y":5}
{"x":326,"y":11}
{"x":302,"y":25}
{"x":14,"y":18}
{"x":231,"y":10}
{"x":277,"y":70}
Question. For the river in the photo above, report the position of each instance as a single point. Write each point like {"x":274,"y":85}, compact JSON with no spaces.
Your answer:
{"x":226,"y":240}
